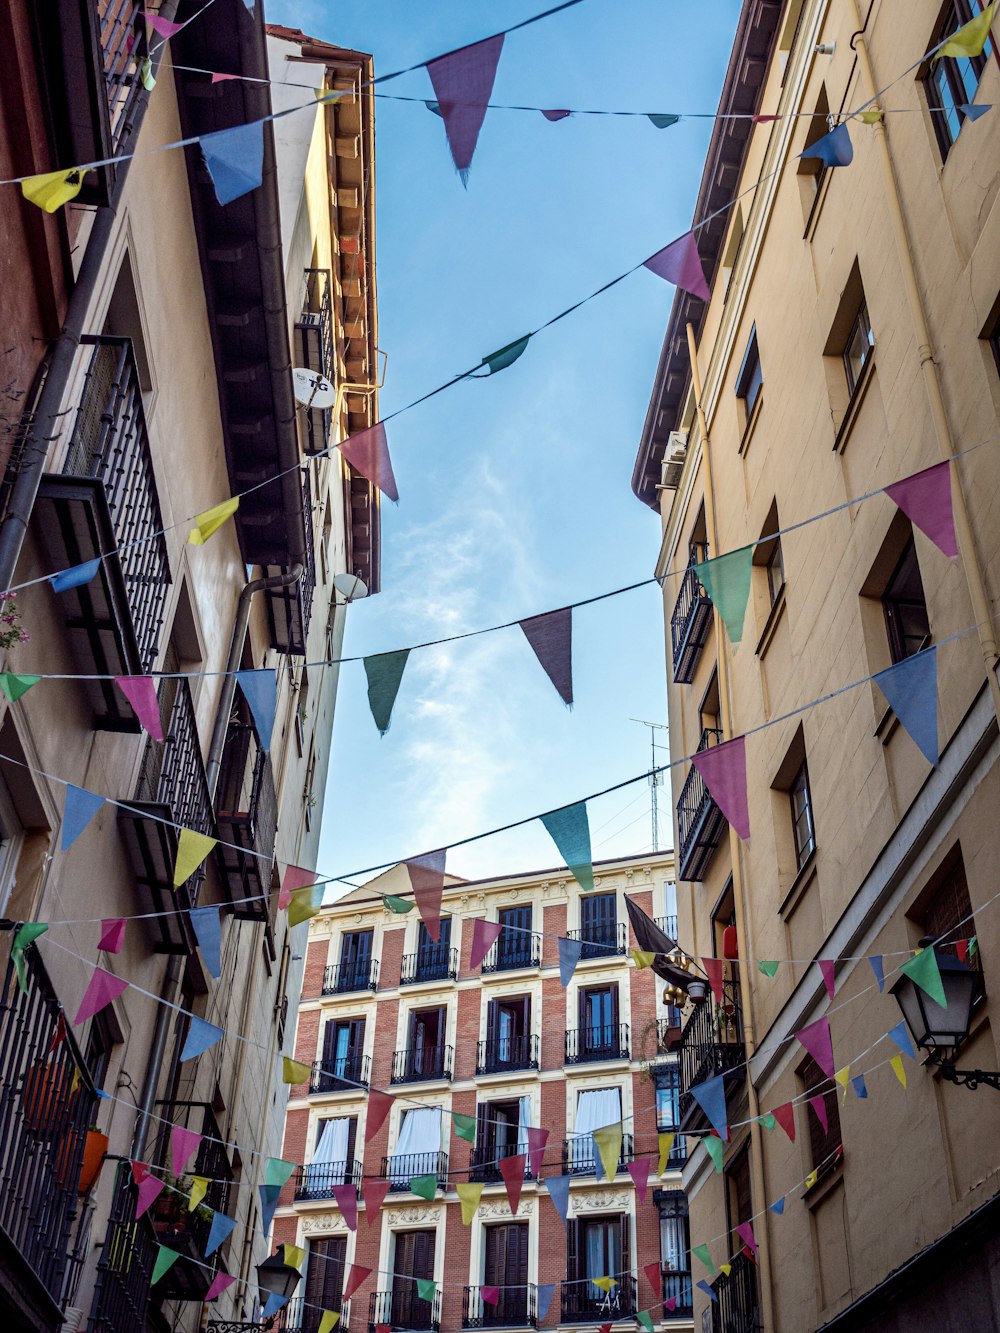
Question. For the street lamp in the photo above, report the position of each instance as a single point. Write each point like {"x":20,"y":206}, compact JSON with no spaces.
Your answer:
{"x":941,"y":1029}
{"x":277,"y":1278}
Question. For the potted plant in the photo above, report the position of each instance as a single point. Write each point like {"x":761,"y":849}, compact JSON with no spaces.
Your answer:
{"x":95,"y":1147}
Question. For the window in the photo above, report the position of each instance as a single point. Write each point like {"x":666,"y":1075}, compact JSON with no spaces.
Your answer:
{"x":426,"y":1043}
{"x":824,"y":1145}
{"x":508,"y":1033}
{"x":905,"y":607}
{"x":594,"y":1109}
{"x":332,"y":1162}
{"x":991,"y":333}
{"x":97,"y":1054}
{"x":325,"y":1265}
{"x":506,"y":1266}
{"x":302,"y":712}
{"x":768,"y":557}
{"x":775,"y":570}
{"x":750,"y":381}
{"x":597,"y":1247}
{"x":434,"y":956}
{"x":811,"y":171}
{"x":739,"y":1205}
{"x":515,"y":947}
{"x":418,"y":1146}
{"x":343,"y":1047}
{"x":947,"y":915}
{"x":413,"y":1259}
{"x":598,"y":924}
{"x":675,"y":1246}
{"x":356,"y":959}
{"x":501,"y":1131}
{"x":803,"y":830}
{"x":951,"y":84}
{"x":860,"y":345}
{"x":598,"y":1008}
{"x":668,"y":1095}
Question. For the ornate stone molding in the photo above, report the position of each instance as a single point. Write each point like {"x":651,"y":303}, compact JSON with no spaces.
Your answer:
{"x":501,"y":1208}
{"x":596,"y":1200}
{"x":401,"y":1217}
{"x":322,"y":1222}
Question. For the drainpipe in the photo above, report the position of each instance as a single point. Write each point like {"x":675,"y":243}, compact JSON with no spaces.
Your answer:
{"x":735,"y":858}
{"x":213,"y":767}
{"x":966,"y":541}
{"x":47,"y":416}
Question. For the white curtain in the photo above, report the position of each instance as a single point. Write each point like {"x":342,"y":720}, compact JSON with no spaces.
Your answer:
{"x":329,"y":1160}
{"x":523,"y":1121}
{"x":594,"y":1110}
{"x":419,"y":1137}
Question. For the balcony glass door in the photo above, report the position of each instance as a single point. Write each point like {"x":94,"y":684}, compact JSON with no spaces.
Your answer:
{"x":426,"y":1033}
{"x":324,"y":1279}
{"x":598,"y":924}
{"x":508,"y":1024}
{"x":356,"y":958}
{"x":514,"y":944}
{"x":414,"y":1259}
{"x":599,"y":1019}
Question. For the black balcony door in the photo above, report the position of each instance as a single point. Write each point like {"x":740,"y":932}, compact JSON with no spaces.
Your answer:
{"x":414,"y":1259}
{"x":506,"y":1267}
{"x":427,"y":1040}
{"x":324,"y":1279}
{"x":343,"y":1043}
{"x":514,"y":944}
{"x":597,"y":1247}
{"x":598,"y":1019}
{"x":433,"y":955}
{"x":356,"y":955}
{"x":497,"y":1133}
{"x":598,"y":924}
{"x":508,"y":1024}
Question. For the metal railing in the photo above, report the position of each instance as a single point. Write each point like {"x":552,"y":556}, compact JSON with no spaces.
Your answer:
{"x":318,"y":1181}
{"x":402,"y":1308}
{"x":513,"y":949}
{"x":668,"y":924}
{"x":307,"y":583}
{"x":302,"y":1316}
{"x":341,"y":1074}
{"x":415,"y":1064}
{"x":340,"y":978}
{"x":175,"y":1224}
{"x":582,"y":1302}
{"x":247,"y":810}
{"x":690,"y":620}
{"x":434,"y":962}
{"x":46,"y":1101}
{"x":580,"y":1159}
{"x":738,"y":1304}
{"x":123,"y":45}
{"x":485,"y":1158}
{"x":514,"y":1307}
{"x":700,"y":822}
{"x":495,"y":1055}
{"x":314,"y":335}
{"x":711,"y":1043}
{"x":607,"y":1041}
{"x":600,"y":940}
{"x":110,"y":442}
{"x":676,"y":1288}
{"x":400,"y":1168}
{"x":125,"y":1268}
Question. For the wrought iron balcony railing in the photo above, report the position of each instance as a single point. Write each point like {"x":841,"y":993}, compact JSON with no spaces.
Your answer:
{"x":676,"y":1288}
{"x":514,"y":1307}
{"x":247,"y":813}
{"x":700,"y":822}
{"x":314,"y":346}
{"x":123,"y":45}
{"x":514,"y":949}
{"x":418,"y":1064}
{"x":600,"y":940}
{"x":318,"y":1181}
{"x":301,"y":1316}
{"x":738,"y":1305}
{"x":607,"y":1041}
{"x":690,"y":621}
{"x":498,"y":1055}
{"x":289,"y":609}
{"x":434,"y":962}
{"x":177,"y":1226}
{"x":711,"y":1044}
{"x":485,"y":1159}
{"x":402,"y":1308}
{"x":355,"y":974}
{"x":579,"y":1158}
{"x":344,"y":1073}
{"x":583,"y":1303}
{"x":46,"y":1103}
{"x":125,"y":1267}
{"x":400,"y":1168}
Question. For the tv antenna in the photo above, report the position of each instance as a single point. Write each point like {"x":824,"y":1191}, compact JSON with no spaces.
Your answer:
{"x":654,"y":777}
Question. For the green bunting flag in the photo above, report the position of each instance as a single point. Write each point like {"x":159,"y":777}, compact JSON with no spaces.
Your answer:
{"x":464,"y":1126}
{"x":714,"y":1148}
{"x":506,"y":356}
{"x":426,"y":1287}
{"x":701,"y":1252}
{"x":644,"y":1319}
{"x":924,"y":972}
{"x":726,"y":579}
{"x":767,"y":1120}
{"x":398,"y":905}
{"x":569,"y":829}
{"x":384,"y":672}
{"x":277,"y":1172}
{"x":25,"y":934}
{"x":165,"y":1260}
{"x":768,"y":968}
{"x":14,"y":686}
{"x":425,"y":1186}
{"x":662,"y":122}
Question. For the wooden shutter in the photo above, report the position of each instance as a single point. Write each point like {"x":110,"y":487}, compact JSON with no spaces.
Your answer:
{"x":330,"y":1043}
{"x":573,"y":1250}
{"x":492,"y":1023}
{"x":625,"y":1224}
{"x":325,"y":1273}
{"x":482,"y":1131}
{"x":356,"y":1040}
{"x":423,"y":1254}
{"x":352,"y":1135}
{"x":517,"y":1254}
{"x":496,"y":1246}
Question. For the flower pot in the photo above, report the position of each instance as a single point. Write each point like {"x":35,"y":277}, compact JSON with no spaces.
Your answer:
{"x":45,"y":1098}
{"x":697,"y":990}
{"x":94,"y":1151}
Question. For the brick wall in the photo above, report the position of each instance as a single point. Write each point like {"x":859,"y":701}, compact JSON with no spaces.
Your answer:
{"x":317,"y":953}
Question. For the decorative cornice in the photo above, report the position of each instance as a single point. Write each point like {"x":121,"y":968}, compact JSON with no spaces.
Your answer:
{"x":501,"y":1208}
{"x":401,"y":1217}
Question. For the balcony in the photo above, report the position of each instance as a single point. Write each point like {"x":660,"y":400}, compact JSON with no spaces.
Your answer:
{"x":513,"y":950}
{"x":289,"y":609}
{"x":354,"y":974}
{"x":484,"y":1161}
{"x":711,"y":1044}
{"x":666,"y":1077}
{"x":583,"y":1303}
{"x":43,"y":1130}
{"x":125,"y":1268}
{"x":579,"y":1159}
{"x":347,"y":1073}
{"x":668,"y":924}
{"x":690,"y":622}
{"x":700,"y":822}
{"x":298,"y":1316}
{"x":246,"y":811}
{"x":515,"y":1308}
{"x":601,"y":939}
{"x":435,"y":962}
{"x":502,"y":1055}
{"x":105,"y":500}
{"x":172,"y":789}
{"x":609,"y":1041}
{"x":314,"y":350}
{"x":400,"y":1168}
{"x":421,"y":1064}
{"x":676,"y":1287}
{"x":738,"y":1307}
{"x":319,"y":1181}
{"x":402,"y":1308}
{"x":176,"y":1226}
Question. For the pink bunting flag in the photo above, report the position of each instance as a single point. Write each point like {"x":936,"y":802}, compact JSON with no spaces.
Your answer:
{"x":680,"y":263}
{"x":220,"y":1283}
{"x":764,"y":120}
{"x":745,"y":1233}
{"x":140,"y":691}
{"x":374,"y":1192}
{"x":355,"y":1276}
{"x":724,"y":769}
{"x":102,"y":988}
{"x":818,"y":1042}
{"x":163,"y":26}
{"x":427,"y":877}
{"x":654,"y":1277}
{"x":368,"y":453}
{"x":785,"y":1116}
{"x":463,"y":82}
{"x":828,"y":966}
{"x":819,"y":1106}
{"x":150,"y":1189}
{"x":295,"y":877}
{"x":639,"y":1171}
{"x":378,"y":1108}
{"x":112,"y":934}
{"x":490,"y":1295}
{"x":713,"y":970}
{"x":224,"y":78}
{"x":925,"y":499}
{"x":537,"y":1139}
{"x":183,"y":1145}
{"x":346,"y":1197}
{"x":670,"y":1304}
{"x":512,"y":1170}
{"x":551,"y":638}
{"x":484,"y":936}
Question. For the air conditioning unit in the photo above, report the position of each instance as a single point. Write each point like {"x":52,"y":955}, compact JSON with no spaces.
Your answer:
{"x":673,"y":461}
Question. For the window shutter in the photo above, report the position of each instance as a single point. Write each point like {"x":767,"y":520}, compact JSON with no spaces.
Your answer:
{"x":482,"y":1130}
{"x":329,"y":1043}
{"x":625,"y":1224}
{"x":352,"y":1135}
{"x":573,"y":1273}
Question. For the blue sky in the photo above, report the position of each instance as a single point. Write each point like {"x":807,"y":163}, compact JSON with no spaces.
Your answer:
{"x":515,"y":490}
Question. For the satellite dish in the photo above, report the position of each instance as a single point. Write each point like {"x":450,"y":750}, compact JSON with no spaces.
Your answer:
{"x":313,"y":389}
{"x":350,"y":587}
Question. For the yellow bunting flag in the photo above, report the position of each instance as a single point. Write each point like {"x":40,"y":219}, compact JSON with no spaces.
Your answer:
{"x":75,"y":1081}
{"x":212,"y":520}
{"x":295,"y":1257}
{"x":605,"y":1283}
{"x":666,"y":1142}
{"x":469,"y":1196}
{"x":725,"y":1269}
{"x":146,"y":74}
{"x":192,"y":848}
{"x":199,"y":1188}
{"x":971,"y":37}
{"x":870,"y":117}
{"x":293,"y":1071}
{"x":305,"y":903}
{"x":897,"y":1068}
{"x":642,"y":957}
{"x":53,"y":189}
{"x":329,"y":1321}
{"x":811,"y":1179}
{"x":609,"y":1147}
{"x":843,"y":1076}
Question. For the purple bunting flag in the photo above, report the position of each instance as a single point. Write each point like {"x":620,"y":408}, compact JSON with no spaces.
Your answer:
{"x":484,"y":936}
{"x":818,"y":1042}
{"x":680,"y":263}
{"x":463,"y":82}
{"x":925,"y":499}
{"x":368,"y":453}
{"x":112,"y":934}
{"x":724,"y":769}
{"x":346,"y":1198}
{"x":183,"y":1145}
{"x":427,"y":878}
{"x":141,"y":694}
{"x":537,"y":1139}
{"x":559,"y":115}
{"x":102,"y":988}
{"x":819,"y":1107}
{"x":828,"y":967}
{"x":551,"y":638}
{"x":639,"y":1171}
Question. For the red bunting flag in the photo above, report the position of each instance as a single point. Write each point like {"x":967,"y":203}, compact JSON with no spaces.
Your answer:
{"x":374,"y":1191}
{"x":346,"y":1198}
{"x":512,"y":1170}
{"x":962,"y":949}
{"x":427,"y":877}
{"x":378,"y":1108}
{"x":355,"y":1276}
{"x":819,"y":1106}
{"x":484,"y":936}
{"x":785,"y":1116}
{"x":368,"y":453}
{"x":295,"y":877}
{"x":654,"y":1277}
{"x":639,"y":1171}
{"x":537,"y":1139}
{"x":828,"y":966}
{"x":713,"y":970}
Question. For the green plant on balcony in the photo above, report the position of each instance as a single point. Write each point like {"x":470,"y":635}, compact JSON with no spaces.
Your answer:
{"x":11,"y":630}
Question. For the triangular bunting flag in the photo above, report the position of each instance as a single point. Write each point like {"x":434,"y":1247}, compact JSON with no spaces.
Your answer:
{"x":346,"y":1198}
{"x":355,"y":1276}
{"x":767,"y":1120}
{"x":639,"y":1171}
{"x":484,"y":936}
{"x":52,"y":189}
{"x":558,"y":1188}
{"x":569,"y":956}
{"x":384,"y":672}
{"x":644,"y":1318}
{"x":901,"y":1037}
{"x":785,"y":1116}
{"x":277,"y":1171}
{"x":569,"y":829}
{"x":778,"y":1207}
{"x":378,"y":1108}
{"x":426,"y":1288}
{"x":818,"y":1042}
{"x":368,"y":454}
{"x":235,"y":159}
{"x":199,"y":1188}
{"x":164,"y":27}
{"x":828,"y":967}
{"x":726,"y":579}
{"x":551,"y":639}
{"x":680,"y":263}
{"x":329,"y":1321}
{"x":220,"y":1283}
{"x":469,"y":1196}
{"x":858,"y":1084}
{"x":654,"y":1276}
{"x":218,"y":1232}
{"x":608,"y":1149}
{"x":819,"y":1107}
{"x":268,"y":1202}
{"x":505,"y":356}
{"x":811,"y":1179}
{"x":910,"y":688}
{"x":208,"y":932}
{"x":208,"y":523}
{"x":974,"y":112}
{"x":273,"y":1304}
{"x":925,"y":499}
{"x":714,"y":1148}
{"x":878,"y":969}
{"x":398,"y":905}
{"x":141,"y":694}
{"x":464,"y":1126}
{"x":834,"y":149}
{"x":260,"y":689}
{"x":112,"y":934}
{"x":293,"y":1071}
{"x":971,"y":37}
{"x":897,"y":1068}
{"x":512,"y":1171}
{"x":662,"y":122}
{"x":725,"y":1269}
{"x":192,"y":848}
{"x":373,"y":1192}
{"x":923,"y":971}
{"x":183,"y":1146}
{"x":605,"y":1284}
{"x":642,"y":957}
{"x":14,"y":685}
{"x":102,"y":989}
{"x":871,"y":117}
{"x":537,"y":1139}
{"x":424,"y":1186}
{"x":295,"y":877}
{"x":165,"y":1260}
{"x":703,"y":1255}
{"x":427,"y":878}
{"x":80,"y":808}
{"x":200,"y":1037}
{"x":555,"y":115}
{"x":842,"y":1076}
{"x":769,"y":968}
{"x":711,"y":1097}
{"x":724,"y":769}
{"x":463,"y":82}
{"x":745,"y":1232}
{"x":664,"y":1142}
{"x":305,"y":903}
{"x":77,"y":577}
{"x":713,"y":971}
{"x":490,"y":1295}
{"x":543,"y":1299}
{"x":150,"y":1189}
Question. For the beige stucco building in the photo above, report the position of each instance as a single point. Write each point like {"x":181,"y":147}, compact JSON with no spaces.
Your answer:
{"x":851,"y":339}
{"x":170,"y":390}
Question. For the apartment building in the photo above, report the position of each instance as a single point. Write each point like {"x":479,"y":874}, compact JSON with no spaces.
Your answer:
{"x":386,"y":1007}
{"x":149,"y":356}
{"x":850,"y":341}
